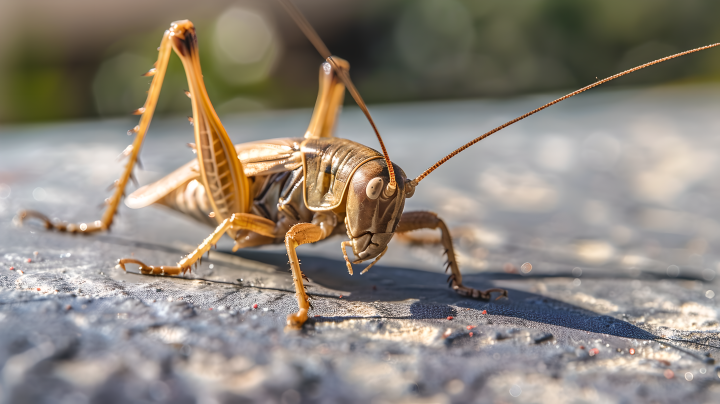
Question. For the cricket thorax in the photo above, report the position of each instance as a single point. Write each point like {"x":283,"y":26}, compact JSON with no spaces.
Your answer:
{"x":329,"y":164}
{"x":278,"y":197}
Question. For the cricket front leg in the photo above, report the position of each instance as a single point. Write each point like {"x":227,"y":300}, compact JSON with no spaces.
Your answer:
{"x":236,"y":222}
{"x":428,"y":220}
{"x":131,"y":152}
{"x":299,"y":234}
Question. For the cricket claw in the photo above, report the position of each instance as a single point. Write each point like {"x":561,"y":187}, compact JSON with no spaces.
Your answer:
{"x":26,"y":214}
{"x":479,"y":294}
{"x":295,"y":321}
{"x":503,"y":293}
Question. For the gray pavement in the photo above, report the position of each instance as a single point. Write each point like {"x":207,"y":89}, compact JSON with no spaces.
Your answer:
{"x":609,"y":197}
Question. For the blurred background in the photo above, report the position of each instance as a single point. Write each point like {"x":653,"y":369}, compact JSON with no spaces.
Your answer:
{"x":82,"y":59}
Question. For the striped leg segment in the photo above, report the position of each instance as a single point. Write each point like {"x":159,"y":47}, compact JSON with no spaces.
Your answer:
{"x":222,"y":174}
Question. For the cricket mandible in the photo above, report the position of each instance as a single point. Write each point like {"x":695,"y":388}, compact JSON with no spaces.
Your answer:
{"x":293,"y":190}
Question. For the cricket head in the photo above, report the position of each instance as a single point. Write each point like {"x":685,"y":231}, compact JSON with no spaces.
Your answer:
{"x":373,"y":208}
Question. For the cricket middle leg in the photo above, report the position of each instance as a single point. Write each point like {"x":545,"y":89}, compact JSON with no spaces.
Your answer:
{"x":428,"y":220}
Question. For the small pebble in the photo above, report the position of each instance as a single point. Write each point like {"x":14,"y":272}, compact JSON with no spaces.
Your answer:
{"x":28,"y":260}
{"x":255,"y":306}
{"x":450,"y":317}
{"x":484,"y":312}
{"x":38,"y":289}
{"x":632,"y":351}
{"x":471,"y":334}
{"x":594,"y":351}
{"x":12,"y":268}
{"x":669,"y":374}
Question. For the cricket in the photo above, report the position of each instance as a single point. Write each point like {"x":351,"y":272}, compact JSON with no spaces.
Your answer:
{"x":292,"y":190}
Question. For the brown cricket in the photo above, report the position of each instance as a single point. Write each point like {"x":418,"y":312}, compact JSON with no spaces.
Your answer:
{"x":292,"y":190}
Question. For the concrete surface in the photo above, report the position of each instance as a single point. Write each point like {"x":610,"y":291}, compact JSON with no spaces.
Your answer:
{"x":610,"y":197}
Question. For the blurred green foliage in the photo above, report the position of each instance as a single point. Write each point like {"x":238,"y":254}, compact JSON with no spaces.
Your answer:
{"x":400,"y":50}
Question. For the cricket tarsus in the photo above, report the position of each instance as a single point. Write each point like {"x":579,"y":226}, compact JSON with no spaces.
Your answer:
{"x":84,"y":228}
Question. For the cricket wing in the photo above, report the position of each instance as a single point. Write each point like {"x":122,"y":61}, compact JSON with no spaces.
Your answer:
{"x":258,"y":158}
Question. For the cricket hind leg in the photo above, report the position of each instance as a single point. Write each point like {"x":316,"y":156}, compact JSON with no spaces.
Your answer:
{"x":132,"y":152}
{"x":222,"y":173}
{"x":329,"y":101}
{"x":428,"y":220}
{"x":236,"y":222}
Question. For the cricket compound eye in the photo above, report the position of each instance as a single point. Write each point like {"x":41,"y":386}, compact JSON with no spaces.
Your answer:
{"x":374,"y":188}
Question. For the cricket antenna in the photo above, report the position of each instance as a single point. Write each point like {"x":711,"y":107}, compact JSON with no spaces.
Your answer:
{"x":314,"y":38}
{"x":506,"y":124}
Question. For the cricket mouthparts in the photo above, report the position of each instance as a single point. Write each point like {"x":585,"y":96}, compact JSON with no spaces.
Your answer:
{"x":370,"y":245}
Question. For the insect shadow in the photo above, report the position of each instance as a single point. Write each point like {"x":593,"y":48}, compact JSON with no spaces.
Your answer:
{"x":394,"y":284}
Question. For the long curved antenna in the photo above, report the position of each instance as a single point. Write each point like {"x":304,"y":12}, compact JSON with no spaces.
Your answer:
{"x":595,"y":84}
{"x":314,"y":38}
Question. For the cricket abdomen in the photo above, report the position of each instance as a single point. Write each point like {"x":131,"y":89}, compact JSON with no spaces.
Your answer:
{"x":277,"y":196}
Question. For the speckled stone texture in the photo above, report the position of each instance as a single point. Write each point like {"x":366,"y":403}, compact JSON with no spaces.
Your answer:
{"x":610,"y":197}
